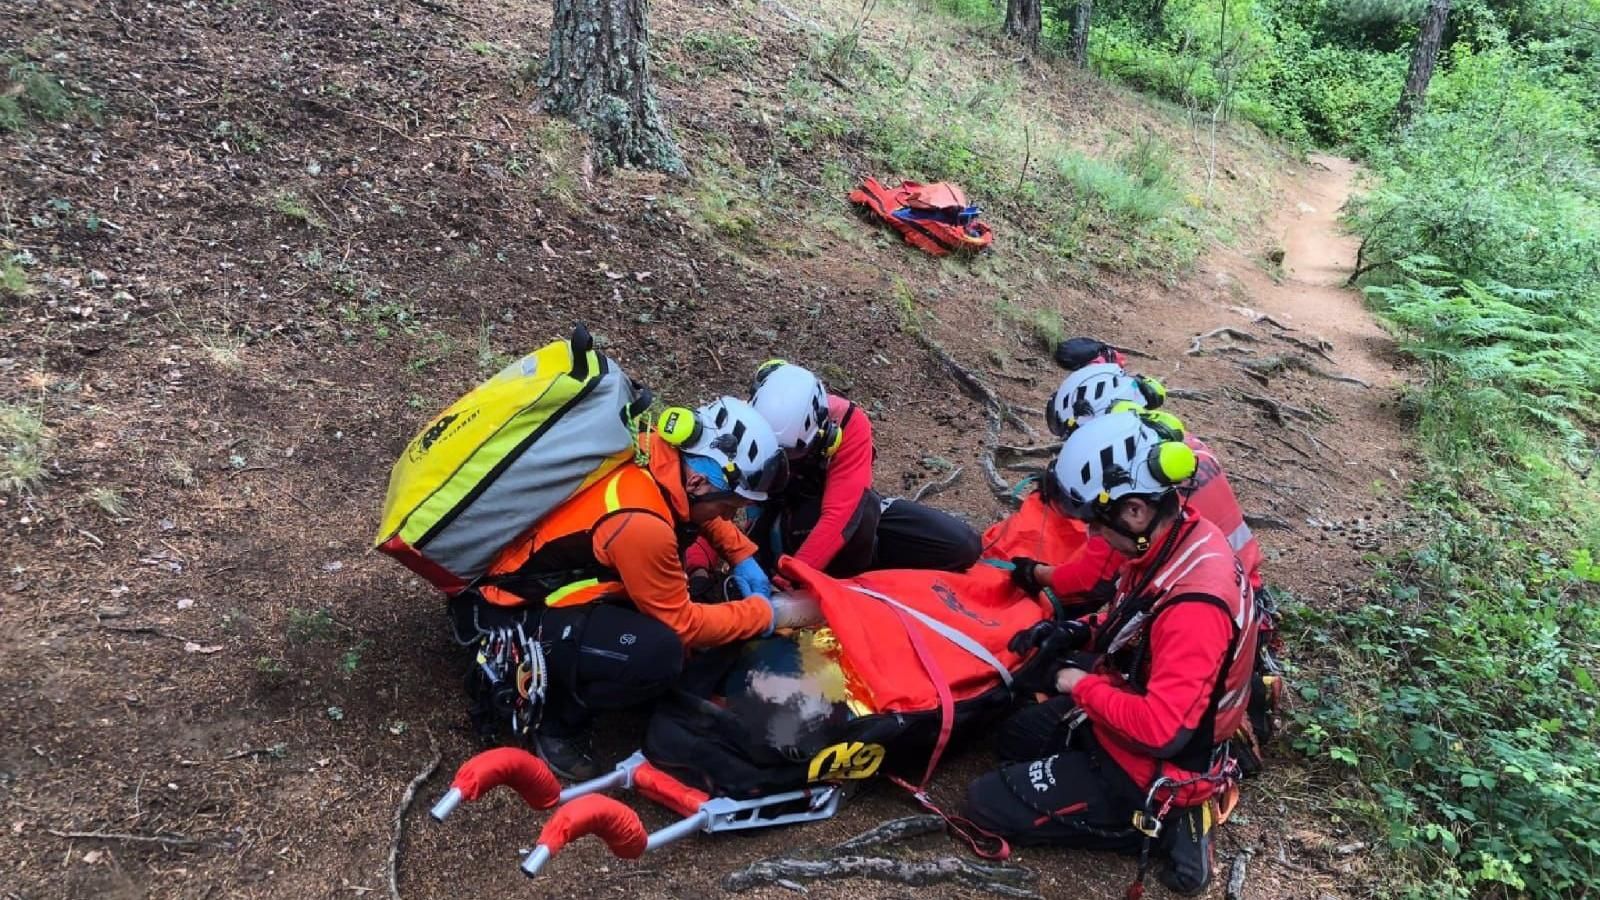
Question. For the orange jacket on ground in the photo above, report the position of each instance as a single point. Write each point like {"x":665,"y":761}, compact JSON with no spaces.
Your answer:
{"x":619,"y":539}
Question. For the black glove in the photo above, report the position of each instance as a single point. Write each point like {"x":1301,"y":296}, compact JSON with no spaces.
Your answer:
{"x":1023,"y":572}
{"x":1052,"y":638}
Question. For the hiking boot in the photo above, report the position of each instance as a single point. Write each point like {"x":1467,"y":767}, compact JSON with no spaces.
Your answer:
{"x":1187,"y":840}
{"x":571,"y":757}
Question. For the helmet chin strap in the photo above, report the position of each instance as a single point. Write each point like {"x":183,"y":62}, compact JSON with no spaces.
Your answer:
{"x":1141,"y":539}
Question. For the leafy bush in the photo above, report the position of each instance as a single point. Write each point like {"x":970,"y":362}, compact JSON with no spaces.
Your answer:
{"x":1465,"y":705}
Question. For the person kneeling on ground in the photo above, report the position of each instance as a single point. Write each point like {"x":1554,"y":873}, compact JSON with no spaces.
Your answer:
{"x":606,"y":576}
{"x":1093,"y":391}
{"x":828,"y":516}
{"x":1158,"y":682}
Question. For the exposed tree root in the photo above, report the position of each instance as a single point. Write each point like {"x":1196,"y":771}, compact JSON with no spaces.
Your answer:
{"x":400,"y":817}
{"x":1318,"y":346}
{"x":892,"y":830}
{"x":938,"y":485}
{"x":1271,"y":365}
{"x":1280,"y":412}
{"x":1185,"y":394}
{"x":1002,"y":880}
{"x":995,"y":414}
{"x":1196,"y":346}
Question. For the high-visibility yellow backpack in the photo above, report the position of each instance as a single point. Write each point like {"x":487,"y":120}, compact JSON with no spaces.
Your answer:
{"x":504,"y":456}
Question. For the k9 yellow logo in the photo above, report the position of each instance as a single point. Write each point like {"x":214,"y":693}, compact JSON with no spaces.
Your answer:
{"x":851,"y":759}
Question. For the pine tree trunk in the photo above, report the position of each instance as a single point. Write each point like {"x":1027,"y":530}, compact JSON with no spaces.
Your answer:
{"x":1422,"y":61}
{"x":1024,"y":19}
{"x":598,"y":74}
{"x":1080,"y":32}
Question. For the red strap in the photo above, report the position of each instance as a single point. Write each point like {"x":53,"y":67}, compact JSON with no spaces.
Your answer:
{"x":985,"y":844}
{"x":947,"y":703}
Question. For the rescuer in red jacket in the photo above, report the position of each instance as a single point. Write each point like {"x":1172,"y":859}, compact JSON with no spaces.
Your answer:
{"x":829,"y":516}
{"x":1093,"y":391}
{"x":1151,"y":689}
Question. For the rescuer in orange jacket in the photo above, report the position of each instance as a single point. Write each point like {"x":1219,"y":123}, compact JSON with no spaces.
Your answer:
{"x":605,"y":571}
{"x":1165,"y":679}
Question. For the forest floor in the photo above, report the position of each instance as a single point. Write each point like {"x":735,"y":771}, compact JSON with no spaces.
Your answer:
{"x":295,"y":230}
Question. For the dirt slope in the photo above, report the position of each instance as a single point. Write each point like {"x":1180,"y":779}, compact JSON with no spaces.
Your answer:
{"x":299,"y":230}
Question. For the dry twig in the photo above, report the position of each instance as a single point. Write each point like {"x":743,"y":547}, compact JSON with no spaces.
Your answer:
{"x":400,"y":816}
{"x":165,"y":840}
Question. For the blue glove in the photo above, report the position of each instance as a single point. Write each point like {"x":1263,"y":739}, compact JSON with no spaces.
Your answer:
{"x":751,"y":581}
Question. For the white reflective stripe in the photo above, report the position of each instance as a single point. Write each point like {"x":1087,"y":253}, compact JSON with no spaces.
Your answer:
{"x":1232,"y":696}
{"x":1191,"y":566}
{"x":1160,"y":583}
{"x":1240,"y":537}
{"x":949,"y":633}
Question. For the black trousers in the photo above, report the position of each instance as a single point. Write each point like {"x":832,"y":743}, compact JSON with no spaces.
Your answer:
{"x":600,"y":657}
{"x":883,"y":534}
{"x":1076,"y":796}
{"x":1036,"y":731}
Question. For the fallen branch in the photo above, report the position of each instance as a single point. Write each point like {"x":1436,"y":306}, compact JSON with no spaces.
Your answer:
{"x":939,"y":486}
{"x":1137,"y":354}
{"x":144,"y":629}
{"x":1195,"y":348}
{"x":1267,"y":522}
{"x":1038,"y":451}
{"x":1236,"y":874}
{"x":165,"y":840}
{"x":1265,"y":319}
{"x":893,"y":830}
{"x":1001,"y":880}
{"x":400,"y":816}
{"x":1184,"y":394}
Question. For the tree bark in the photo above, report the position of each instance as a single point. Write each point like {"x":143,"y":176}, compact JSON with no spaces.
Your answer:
{"x":1422,"y":61}
{"x":1024,"y":20}
{"x":1080,"y":32}
{"x":598,"y":75}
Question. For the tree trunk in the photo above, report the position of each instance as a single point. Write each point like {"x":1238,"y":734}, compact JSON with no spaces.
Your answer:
{"x":598,"y":75}
{"x":1080,"y":32}
{"x":1422,"y":61}
{"x":1024,"y":19}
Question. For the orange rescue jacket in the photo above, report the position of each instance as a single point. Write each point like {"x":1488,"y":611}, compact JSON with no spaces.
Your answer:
{"x":618,"y":540}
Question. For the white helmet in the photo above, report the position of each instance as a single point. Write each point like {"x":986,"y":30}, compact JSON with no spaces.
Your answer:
{"x":1114,"y":457}
{"x":731,"y":433}
{"x":794,"y":401}
{"x":1093,"y":391}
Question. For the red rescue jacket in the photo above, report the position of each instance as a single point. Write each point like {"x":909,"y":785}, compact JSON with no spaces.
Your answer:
{"x":1179,"y":644}
{"x":846,"y":480}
